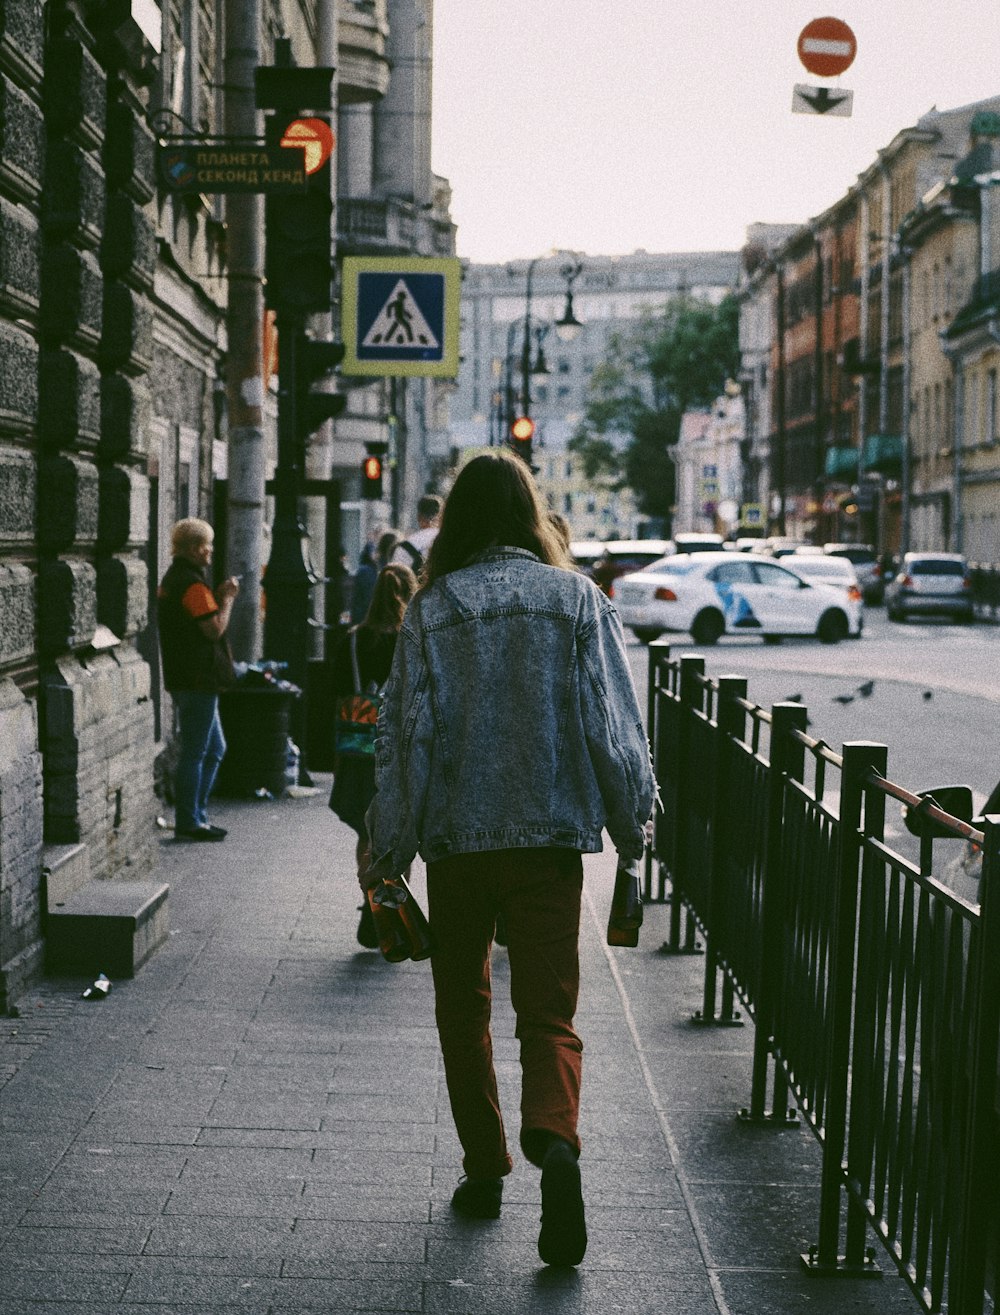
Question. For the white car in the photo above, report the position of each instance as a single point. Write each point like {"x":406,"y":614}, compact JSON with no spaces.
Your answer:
{"x":714,"y":594}
{"x":824,"y":569}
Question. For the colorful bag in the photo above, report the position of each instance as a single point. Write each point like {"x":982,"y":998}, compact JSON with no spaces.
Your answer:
{"x":357,"y":713}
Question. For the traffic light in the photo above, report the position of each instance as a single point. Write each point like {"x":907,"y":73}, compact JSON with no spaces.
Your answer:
{"x":522,"y":431}
{"x":313,"y":361}
{"x":298,"y":263}
{"x":371,"y":478}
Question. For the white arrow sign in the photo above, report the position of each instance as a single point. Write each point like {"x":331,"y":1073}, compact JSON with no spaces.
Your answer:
{"x":822,"y":100}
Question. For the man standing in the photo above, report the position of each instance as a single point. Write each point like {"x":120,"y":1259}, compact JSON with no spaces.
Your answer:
{"x":412,"y":551}
{"x":197,"y":666}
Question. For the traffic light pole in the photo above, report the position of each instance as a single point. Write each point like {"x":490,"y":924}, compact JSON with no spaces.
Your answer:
{"x":289,"y":573}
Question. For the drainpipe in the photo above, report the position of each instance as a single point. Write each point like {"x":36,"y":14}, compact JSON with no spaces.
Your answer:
{"x":244,"y":328}
{"x":905,"y":471}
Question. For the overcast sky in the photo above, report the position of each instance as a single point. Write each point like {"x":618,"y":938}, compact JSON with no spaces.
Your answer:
{"x":610,"y":125}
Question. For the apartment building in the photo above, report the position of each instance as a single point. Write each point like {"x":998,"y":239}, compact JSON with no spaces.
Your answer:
{"x":500,"y":312}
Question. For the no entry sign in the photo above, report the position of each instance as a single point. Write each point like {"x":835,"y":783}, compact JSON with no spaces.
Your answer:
{"x":827,"y":47}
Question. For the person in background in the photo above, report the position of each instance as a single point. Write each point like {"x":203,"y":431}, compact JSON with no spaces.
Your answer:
{"x":510,"y":736}
{"x":386,"y":547}
{"x":412,"y":551}
{"x":375,"y":641}
{"x":363,"y":584}
{"x":197,"y":667}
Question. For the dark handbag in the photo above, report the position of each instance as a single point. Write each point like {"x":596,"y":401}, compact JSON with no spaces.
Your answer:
{"x":357,"y":713}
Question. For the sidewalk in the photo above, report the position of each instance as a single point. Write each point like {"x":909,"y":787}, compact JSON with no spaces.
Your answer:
{"x":258,"y":1122}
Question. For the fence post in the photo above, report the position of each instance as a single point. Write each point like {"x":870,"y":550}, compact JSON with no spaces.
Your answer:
{"x":692,"y":667}
{"x":787,"y":760}
{"x":659,"y":656}
{"x":979,"y":1196}
{"x":730,"y":724}
{"x":860,"y":758}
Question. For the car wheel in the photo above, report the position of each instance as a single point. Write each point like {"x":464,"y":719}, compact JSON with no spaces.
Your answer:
{"x":772,"y":639}
{"x":708,"y":627}
{"x":646,"y":634}
{"x":894,"y":614}
{"x":833,"y":627}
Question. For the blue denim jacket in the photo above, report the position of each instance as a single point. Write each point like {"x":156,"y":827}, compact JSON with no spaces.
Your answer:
{"x":509,"y":720}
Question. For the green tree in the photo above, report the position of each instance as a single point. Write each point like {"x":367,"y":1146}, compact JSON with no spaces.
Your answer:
{"x":673,"y":360}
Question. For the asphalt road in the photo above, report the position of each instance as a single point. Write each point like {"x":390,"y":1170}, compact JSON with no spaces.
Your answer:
{"x":929,"y":691}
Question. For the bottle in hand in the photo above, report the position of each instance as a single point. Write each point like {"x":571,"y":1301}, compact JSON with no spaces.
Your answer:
{"x":626,"y":905}
{"x":403,"y":930}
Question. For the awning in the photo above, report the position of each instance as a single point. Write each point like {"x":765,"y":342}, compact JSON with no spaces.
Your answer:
{"x":884,"y":453}
{"x":841,"y":463}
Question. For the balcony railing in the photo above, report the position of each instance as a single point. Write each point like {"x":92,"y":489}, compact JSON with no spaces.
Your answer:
{"x":366,"y":226}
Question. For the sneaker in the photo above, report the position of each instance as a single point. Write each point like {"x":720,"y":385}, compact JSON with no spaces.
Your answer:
{"x":201,"y":833}
{"x":563,"y":1237}
{"x":478,"y":1198}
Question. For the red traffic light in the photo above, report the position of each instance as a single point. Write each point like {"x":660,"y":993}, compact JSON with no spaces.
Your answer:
{"x":373,"y":468}
{"x":522,"y":430}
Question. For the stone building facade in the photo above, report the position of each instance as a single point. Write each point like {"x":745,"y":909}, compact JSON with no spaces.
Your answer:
{"x":77,"y":262}
{"x":116,"y":393}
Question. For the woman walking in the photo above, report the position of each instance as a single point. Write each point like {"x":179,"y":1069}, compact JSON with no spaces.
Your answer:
{"x":373,"y":643}
{"x":510,"y":736}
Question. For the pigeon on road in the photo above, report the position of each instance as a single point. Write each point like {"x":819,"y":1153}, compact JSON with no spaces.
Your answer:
{"x":842,"y":698}
{"x":866,"y":689}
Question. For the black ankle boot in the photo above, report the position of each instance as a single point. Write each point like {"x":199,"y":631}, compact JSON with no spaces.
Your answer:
{"x":478,"y":1198}
{"x":563,"y":1237}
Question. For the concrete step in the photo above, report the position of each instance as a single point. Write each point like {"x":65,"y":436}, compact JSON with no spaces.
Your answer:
{"x":66,"y":869}
{"x":106,"y":927}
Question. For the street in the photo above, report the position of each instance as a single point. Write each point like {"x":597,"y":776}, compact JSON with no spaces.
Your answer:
{"x":944,"y":739}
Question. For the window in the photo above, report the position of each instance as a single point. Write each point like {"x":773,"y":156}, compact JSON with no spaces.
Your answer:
{"x":563,"y":365}
{"x":990,"y":435}
{"x":569,"y":469}
{"x":568,"y":503}
{"x":733,"y":573}
{"x":775,"y":577}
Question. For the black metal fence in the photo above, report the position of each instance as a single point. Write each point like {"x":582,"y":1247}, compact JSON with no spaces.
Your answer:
{"x":874,"y":988}
{"x":986,"y":589}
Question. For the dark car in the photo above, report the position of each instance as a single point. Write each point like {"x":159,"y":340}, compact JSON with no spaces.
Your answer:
{"x":604,"y":562}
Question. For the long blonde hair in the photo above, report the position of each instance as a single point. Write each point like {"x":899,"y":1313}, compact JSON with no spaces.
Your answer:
{"x":394,"y":588}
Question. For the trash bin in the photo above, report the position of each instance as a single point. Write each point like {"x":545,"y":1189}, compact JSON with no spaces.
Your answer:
{"x":256,"y":723}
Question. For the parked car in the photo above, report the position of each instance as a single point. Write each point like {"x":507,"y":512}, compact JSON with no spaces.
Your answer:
{"x":930,"y":584}
{"x":714,"y":594}
{"x":778,"y":546}
{"x":828,"y":569}
{"x":604,"y":562}
{"x":865,"y":561}
{"x":698,"y":542}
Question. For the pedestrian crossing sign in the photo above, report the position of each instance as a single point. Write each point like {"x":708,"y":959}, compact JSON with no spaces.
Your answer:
{"x":400,"y":315}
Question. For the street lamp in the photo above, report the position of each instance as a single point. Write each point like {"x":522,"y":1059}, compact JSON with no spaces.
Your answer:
{"x":568,"y":326}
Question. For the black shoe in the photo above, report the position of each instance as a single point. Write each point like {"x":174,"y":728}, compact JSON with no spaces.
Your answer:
{"x":367,"y":936}
{"x":220,"y":832}
{"x":478,"y":1198}
{"x":202,"y":833}
{"x":563,"y":1239}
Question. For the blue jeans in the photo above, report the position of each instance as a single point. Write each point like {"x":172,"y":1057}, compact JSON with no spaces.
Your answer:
{"x":202,"y":748}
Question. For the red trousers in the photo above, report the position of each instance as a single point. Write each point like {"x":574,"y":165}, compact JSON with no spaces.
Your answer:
{"x":537,"y":891}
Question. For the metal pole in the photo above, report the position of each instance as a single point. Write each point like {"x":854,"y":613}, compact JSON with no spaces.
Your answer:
{"x":905,"y":470}
{"x":526,"y":343}
{"x":289,"y":575}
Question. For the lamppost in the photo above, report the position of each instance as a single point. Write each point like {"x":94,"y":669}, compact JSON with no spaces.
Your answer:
{"x":567,"y":328}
